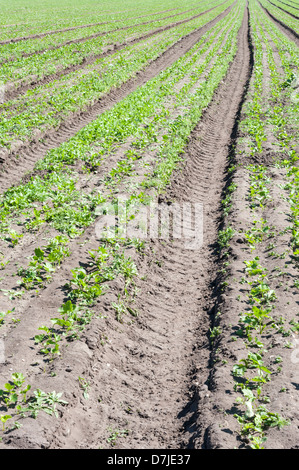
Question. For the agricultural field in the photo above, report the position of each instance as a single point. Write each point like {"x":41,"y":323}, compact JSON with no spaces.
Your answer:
{"x":149,"y":230}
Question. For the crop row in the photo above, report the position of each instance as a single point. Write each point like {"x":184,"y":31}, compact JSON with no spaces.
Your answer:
{"x":30,"y":46}
{"x":47,"y":106}
{"x":39,"y":21}
{"x":143,"y":117}
{"x":52,"y":61}
{"x":281,"y":16}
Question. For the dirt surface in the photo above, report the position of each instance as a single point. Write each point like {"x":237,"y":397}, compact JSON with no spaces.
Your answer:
{"x":156,"y":379}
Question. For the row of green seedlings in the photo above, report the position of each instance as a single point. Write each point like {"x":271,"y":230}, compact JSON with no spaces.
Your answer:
{"x":23,"y":115}
{"x":253,"y":123}
{"x":251,"y":373}
{"x":44,"y":263}
{"x":87,"y":284}
{"x":292,"y":187}
{"x":254,"y":422}
{"x":41,"y":266}
{"x":180,"y":131}
{"x":288,"y":109}
{"x":287,"y":49}
{"x":60,"y":188}
{"x":171,"y":152}
{"x":257,"y":418}
{"x":17,"y":402}
{"x":277,"y":112}
{"x":281,"y":16}
{"x":46,"y":260}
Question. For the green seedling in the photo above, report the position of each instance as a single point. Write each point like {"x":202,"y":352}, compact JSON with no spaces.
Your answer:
{"x":3,"y":419}
{"x":3,"y":315}
{"x":84,"y":385}
{"x":253,"y":268}
{"x":224,"y":237}
{"x":115,"y":434}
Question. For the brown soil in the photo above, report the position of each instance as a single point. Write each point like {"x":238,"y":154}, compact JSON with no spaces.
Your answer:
{"x":157,"y":379}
